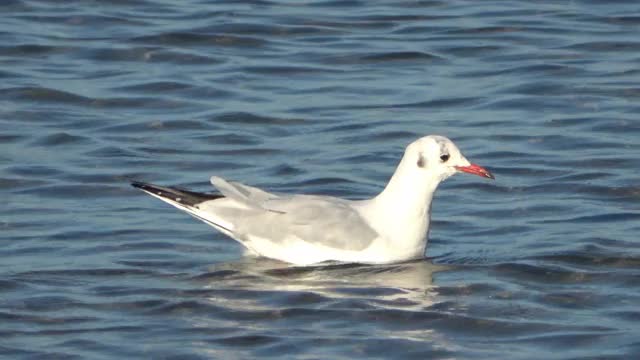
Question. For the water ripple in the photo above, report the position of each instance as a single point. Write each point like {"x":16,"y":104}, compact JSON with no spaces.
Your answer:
{"x":318,"y":97}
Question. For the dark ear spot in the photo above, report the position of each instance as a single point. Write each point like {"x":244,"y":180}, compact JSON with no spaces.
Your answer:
{"x":422,"y":162}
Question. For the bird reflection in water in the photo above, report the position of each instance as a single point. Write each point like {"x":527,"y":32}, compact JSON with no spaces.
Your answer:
{"x":404,"y":285}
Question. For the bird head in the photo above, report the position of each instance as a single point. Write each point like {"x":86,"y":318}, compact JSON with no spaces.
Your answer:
{"x":441,"y":158}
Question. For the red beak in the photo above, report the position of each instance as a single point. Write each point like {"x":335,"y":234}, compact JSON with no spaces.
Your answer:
{"x":476,"y":170}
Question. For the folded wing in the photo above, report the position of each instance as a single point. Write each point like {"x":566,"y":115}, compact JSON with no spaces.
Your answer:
{"x":316,"y":220}
{"x":247,"y":195}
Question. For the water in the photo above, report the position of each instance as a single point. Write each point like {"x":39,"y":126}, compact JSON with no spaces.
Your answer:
{"x":318,"y":97}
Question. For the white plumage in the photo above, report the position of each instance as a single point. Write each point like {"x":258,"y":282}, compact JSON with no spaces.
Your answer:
{"x":307,"y":229}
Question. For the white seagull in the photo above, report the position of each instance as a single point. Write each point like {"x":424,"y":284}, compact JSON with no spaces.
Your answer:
{"x":308,"y":229}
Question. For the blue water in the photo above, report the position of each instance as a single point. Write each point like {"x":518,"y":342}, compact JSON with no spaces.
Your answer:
{"x":318,"y":97}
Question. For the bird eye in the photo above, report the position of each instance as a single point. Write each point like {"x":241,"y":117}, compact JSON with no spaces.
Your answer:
{"x":444,"y":157}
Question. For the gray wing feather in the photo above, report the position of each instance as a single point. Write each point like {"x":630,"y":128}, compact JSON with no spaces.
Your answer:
{"x":321,"y":220}
{"x":247,"y":195}
{"x":329,"y":222}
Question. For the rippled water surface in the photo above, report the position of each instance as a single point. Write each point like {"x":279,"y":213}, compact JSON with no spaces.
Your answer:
{"x":318,"y":97}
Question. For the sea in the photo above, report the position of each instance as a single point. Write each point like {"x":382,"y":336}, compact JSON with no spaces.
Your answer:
{"x":318,"y":97}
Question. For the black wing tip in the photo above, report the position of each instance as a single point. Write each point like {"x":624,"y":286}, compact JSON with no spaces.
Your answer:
{"x":181,"y":196}
{"x":148,"y":187}
{"x":139,"y":184}
{"x":158,"y":190}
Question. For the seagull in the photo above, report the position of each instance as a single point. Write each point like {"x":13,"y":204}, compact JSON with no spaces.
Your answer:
{"x":309,"y":229}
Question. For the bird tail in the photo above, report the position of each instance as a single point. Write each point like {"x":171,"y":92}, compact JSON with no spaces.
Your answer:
{"x":184,"y":200}
{"x":180,"y":196}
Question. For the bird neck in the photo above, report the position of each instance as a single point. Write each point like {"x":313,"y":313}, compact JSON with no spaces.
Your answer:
{"x":409,"y":193}
{"x":401,"y":213}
